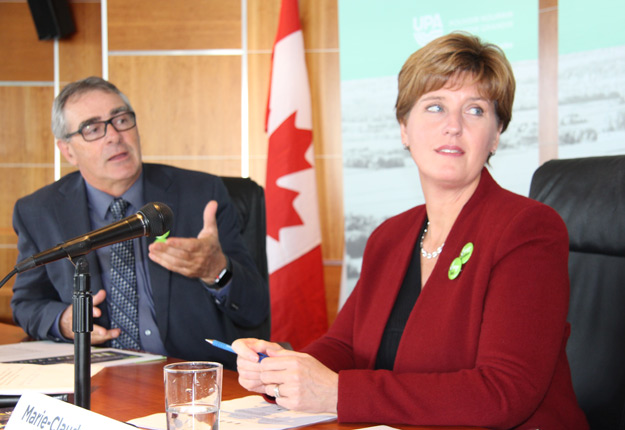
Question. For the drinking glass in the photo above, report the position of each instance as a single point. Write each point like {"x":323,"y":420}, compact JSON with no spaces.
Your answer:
{"x":193,"y":395}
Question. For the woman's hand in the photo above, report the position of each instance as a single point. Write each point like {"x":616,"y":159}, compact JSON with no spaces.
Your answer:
{"x":248,"y":361}
{"x":304,"y":383}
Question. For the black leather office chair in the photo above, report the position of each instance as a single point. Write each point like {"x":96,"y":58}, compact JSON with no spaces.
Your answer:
{"x":589,"y":194}
{"x":249,"y":198}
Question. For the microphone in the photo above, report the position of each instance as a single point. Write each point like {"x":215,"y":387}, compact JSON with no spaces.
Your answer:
{"x":153,"y":219}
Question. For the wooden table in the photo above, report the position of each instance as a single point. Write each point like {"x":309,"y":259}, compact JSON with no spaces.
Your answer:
{"x":11,"y":334}
{"x":136,"y":390}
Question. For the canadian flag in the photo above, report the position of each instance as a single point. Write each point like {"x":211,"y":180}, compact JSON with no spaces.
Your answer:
{"x":298,"y":305}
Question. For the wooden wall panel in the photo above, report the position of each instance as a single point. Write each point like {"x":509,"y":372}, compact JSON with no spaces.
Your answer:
{"x":27,"y":144}
{"x":166,"y":24}
{"x":26,"y":138}
{"x":187,"y":106}
{"x":17,"y":182}
{"x":81,"y":54}
{"x":24,"y":56}
{"x":319,"y":20}
{"x":261,"y":30}
{"x":320,"y":24}
{"x":332,"y":278}
{"x":547,"y":4}
{"x":259,"y":66}
{"x":216,"y":165}
{"x":325,"y":95}
{"x":548,"y":80}
{"x":262,"y":24}
{"x":66,"y":168}
{"x":330,"y":188}
{"x":8,"y":257}
{"x":325,"y":89}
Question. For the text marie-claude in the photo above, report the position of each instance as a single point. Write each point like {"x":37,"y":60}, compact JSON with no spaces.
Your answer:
{"x":44,"y":421}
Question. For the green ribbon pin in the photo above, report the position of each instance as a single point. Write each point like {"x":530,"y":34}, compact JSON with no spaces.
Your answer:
{"x":456,"y":265}
{"x":455,"y":268}
{"x":467,"y":251}
{"x":162,"y":238}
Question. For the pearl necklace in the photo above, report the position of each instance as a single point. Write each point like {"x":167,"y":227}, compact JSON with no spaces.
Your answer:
{"x":424,"y":253}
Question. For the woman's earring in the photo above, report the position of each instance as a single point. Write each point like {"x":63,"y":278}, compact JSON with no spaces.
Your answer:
{"x":406,"y":147}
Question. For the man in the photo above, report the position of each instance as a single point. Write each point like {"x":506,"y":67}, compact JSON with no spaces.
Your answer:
{"x":199,"y":283}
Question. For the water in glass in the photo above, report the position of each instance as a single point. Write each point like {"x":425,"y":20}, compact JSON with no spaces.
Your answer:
{"x":193,"y":417}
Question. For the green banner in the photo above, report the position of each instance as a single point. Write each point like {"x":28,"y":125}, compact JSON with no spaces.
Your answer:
{"x":377,"y":36}
{"x":587,"y":26}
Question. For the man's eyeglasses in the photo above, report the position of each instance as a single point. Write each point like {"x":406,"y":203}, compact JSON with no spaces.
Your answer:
{"x":97,"y":129}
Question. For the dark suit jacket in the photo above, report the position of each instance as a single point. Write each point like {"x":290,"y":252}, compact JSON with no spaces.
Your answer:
{"x":186,"y":312}
{"x":484,"y":349}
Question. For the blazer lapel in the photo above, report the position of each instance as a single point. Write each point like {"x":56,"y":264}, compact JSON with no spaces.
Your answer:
{"x":156,"y":187}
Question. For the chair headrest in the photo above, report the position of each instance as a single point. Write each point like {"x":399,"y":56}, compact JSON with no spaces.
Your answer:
{"x":589,"y":195}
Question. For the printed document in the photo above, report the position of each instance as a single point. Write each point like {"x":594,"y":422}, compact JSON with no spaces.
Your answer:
{"x":249,"y":413}
{"x":48,"y":352}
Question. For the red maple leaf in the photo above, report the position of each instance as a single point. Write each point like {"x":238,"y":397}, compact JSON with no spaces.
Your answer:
{"x":286,"y":154}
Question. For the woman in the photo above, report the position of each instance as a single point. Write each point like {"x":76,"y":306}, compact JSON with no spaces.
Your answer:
{"x":459,"y":315}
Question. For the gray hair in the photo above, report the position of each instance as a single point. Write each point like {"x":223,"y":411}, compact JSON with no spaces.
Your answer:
{"x":92,"y":83}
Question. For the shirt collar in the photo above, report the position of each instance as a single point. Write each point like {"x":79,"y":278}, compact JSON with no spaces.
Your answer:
{"x":101,"y":201}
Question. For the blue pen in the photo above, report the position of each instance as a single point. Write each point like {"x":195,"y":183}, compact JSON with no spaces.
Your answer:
{"x":228,"y":348}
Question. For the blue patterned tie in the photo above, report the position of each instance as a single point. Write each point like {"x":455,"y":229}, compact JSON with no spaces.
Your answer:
{"x":123,"y":309}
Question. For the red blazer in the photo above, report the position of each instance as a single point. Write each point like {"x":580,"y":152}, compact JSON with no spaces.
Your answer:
{"x":484,"y":349}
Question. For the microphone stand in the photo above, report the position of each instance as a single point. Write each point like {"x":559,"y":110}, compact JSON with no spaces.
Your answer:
{"x":82,"y":326}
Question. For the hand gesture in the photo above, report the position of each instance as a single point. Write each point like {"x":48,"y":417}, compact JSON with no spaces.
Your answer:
{"x":199,"y":257}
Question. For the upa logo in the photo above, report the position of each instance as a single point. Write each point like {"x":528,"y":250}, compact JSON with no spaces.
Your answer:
{"x":427,"y":28}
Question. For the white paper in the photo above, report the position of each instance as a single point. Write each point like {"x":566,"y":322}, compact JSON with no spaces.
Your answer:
{"x":64,"y":352}
{"x":16,"y":379}
{"x":249,"y":413}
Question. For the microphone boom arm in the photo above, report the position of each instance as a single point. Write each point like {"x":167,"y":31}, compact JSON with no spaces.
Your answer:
{"x":126,"y":229}
{"x":153,"y":219}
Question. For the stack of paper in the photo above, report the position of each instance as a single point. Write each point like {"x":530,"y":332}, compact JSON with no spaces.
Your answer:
{"x":249,"y":413}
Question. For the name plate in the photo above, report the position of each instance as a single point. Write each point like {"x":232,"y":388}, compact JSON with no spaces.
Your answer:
{"x":38,"y":411}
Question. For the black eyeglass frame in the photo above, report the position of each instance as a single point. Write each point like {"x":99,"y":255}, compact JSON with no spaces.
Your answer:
{"x":105,"y":123}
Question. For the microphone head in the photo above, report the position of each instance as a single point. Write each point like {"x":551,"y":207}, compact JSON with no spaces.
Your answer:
{"x":158,"y":218}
